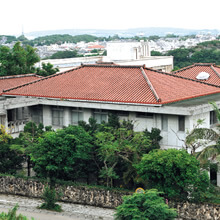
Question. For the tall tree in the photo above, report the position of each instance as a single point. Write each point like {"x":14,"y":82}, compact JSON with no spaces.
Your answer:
{"x":18,"y":60}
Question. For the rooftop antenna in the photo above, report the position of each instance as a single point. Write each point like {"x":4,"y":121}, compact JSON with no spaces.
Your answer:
{"x":22,"y":30}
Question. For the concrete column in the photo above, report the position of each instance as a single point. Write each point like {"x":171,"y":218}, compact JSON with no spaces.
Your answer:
{"x":218,"y":175}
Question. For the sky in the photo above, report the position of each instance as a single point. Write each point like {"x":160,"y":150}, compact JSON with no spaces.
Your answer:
{"x":40,"y":15}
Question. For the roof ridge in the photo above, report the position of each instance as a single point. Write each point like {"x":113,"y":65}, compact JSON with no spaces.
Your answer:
{"x":213,"y":68}
{"x":35,"y":81}
{"x":150,"y":85}
{"x":110,"y":65}
{"x":19,"y":76}
{"x":184,"y":68}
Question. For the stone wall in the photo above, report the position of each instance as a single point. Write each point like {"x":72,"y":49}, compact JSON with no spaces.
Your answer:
{"x":100,"y":197}
{"x":73,"y":194}
{"x":189,"y":211}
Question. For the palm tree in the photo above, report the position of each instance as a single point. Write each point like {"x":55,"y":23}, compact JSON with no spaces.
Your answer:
{"x":207,"y":138}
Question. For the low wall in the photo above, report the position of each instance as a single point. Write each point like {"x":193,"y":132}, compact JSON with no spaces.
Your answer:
{"x":100,"y":197}
{"x":73,"y":194}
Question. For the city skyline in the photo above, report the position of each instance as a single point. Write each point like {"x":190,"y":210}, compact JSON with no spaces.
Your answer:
{"x":24,"y":16}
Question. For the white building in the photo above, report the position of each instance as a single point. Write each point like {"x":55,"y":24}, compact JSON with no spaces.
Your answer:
{"x":137,"y":53}
{"x":149,"y":98}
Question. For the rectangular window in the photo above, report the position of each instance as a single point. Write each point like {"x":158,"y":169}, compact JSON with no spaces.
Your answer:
{"x":213,"y":118}
{"x":77,"y":115}
{"x":164,"y":122}
{"x":144,"y":115}
{"x":181,"y":123}
{"x":57,"y":116}
{"x":37,"y":114}
{"x":100,"y":116}
{"x":123,"y":113}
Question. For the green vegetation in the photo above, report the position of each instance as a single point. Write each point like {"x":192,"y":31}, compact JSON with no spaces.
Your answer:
{"x":62,"y":154}
{"x":18,"y":60}
{"x":206,"y":52}
{"x":65,"y":54}
{"x":174,"y":172}
{"x":21,"y":60}
{"x":10,"y":161}
{"x":149,"y":205}
{"x":46,"y":70}
{"x":11,"y":215}
{"x":50,"y":197}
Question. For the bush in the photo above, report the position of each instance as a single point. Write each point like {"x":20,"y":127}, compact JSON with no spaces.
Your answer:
{"x":11,"y":215}
{"x":174,"y":172}
{"x":50,"y":197}
{"x":148,"y":206}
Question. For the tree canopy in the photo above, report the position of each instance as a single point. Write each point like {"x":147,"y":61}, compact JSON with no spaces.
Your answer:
{"x":174,"y":172}
{"x":18,"y":60}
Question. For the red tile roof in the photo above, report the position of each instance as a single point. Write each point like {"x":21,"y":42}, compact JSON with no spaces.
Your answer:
{"x":7,"y":82}
{"x":192,"y":72}
{"x":96,"y":47}
{"x":124,"y":84}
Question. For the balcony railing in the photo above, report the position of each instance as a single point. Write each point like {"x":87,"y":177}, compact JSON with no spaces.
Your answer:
{"x":16,"y":126}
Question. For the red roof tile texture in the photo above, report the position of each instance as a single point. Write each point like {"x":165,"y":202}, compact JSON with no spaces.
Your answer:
{"x":7,"y":82}
{"x":124,"y":84}
{"x":192,"y":72}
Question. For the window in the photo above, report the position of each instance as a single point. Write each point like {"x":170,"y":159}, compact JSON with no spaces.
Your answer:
{"x":144,"y":115}
{"x":37,"y":114}
{"x":164,"y":122}
{"x":123,"y":113}
{"x":57,"y":116}
{"x":181,"y":123}
{"x":77,"y":115}
{"x":100,"y":116}
{"x":213,"y":118}
{"x":16,"y":114}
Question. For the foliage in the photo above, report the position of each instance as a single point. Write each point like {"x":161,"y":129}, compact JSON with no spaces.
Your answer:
{"x":18,"y":60}
{"x":11,"y":215}
{"x":4,"y":136}
{"x":64,"y":54}
{"x":156,"y":53}
{"x":59,"y":39}
{"x":149,"y":205}
{"x":10,"y":162}
{"x":50,"y":197}
{"x":62,"y":154}
{"x":46,"y":70}
{"x":27,"y":140}
{"x":155,"y":137}
{"x":205,"y":52}
{"x":117,"y":144}
{"x":175,"y":172}
{"x":207,"y":138}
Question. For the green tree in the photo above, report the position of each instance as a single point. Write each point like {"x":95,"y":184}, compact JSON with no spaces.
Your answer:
{"x":18,"y":60}
{"x":155,"y":137}
{"x":47,"y":70}
{"x":175,"y":172}
{"x":10,"y":162}
{"x":149,"y":205}
{"x":26,"y":141}
{"x":156,"y":53}
{"x":63,"y":154}
{"x":204,"y":138}
{"x":64,"y":54}
{"x":117,"y":144}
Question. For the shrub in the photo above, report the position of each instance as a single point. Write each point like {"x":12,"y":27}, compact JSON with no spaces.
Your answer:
{"x":50,"y":197}
{"x":11,"y":215}
{"x":148,"y":206}
{"x":174,"y":172}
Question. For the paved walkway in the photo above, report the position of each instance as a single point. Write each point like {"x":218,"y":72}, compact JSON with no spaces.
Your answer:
{"x":28,"y":207}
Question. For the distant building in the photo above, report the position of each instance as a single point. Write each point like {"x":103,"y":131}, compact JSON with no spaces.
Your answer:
{"x":137,"y":53}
